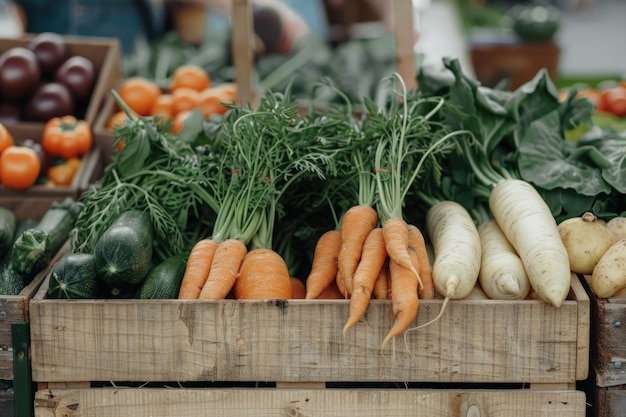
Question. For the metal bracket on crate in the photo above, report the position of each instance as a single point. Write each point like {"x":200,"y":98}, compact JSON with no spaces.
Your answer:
{"x":22,"y":377}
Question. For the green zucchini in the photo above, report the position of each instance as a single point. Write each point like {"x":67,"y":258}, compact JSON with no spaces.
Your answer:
{"x":163,"y":281}
{"x":34,"y":248}
{"x":8,"y":225}
{"x":12,"y":282}
{"x":74,"y":276}
{"x":124,"y":251}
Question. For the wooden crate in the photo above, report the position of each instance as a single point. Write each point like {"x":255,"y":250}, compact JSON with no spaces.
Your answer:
{"x":105,"y":53}
{"x":470,"y":358}
{"x":15,"y":308}
{"x":608,"y":354}
{"x":89,"y":170}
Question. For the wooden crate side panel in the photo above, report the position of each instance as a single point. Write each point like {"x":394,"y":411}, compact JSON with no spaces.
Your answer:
{"x":15,"y":309}
{"x":308,"y":403}
{"x":610,"y":360}
{"x":227,"y":340}
{"x":612,"y":401}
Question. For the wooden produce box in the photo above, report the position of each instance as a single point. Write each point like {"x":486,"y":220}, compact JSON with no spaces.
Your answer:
{"x":15,"y":308}
{"x":608,"y":354}
{"x":289,"y":357}
{"x":105,"y":53}
{"x":89,"y":170}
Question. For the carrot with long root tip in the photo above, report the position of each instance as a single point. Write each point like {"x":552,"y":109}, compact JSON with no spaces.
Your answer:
{"x":396,"y":234}
{"x":381,"y":286}
{"x":298,"y":290}
{"x":263,"y":276}
{"x":404,"y":299}
{"x":197,"y":269}
{"x":324,"y":265}
{"x":357,"y":222}
{"x":419,"y":252}
{"x":372,"y":261}
{"x":331,"y":293}
{"x":224,"y":269}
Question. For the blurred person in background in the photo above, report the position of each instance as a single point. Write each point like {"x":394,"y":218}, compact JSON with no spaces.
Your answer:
{"x":276,"y":23}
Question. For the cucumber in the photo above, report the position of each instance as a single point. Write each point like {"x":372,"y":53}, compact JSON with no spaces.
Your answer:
{"x":124,"y":251}
{"x":74,"y":276}
{"x":8,"y":225}
{"x":163,"y":281}
{"x":34,"y":248}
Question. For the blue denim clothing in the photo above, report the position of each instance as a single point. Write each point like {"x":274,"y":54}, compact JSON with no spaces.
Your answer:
{"x":103,"y":18}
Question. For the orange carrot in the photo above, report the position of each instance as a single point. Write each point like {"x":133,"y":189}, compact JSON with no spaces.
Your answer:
{"x":263,"y":275}
{"x":298,"y":291}
{"x":356,"y":224}
{"x":373,"y":258}
{"x":417,"y":247}
{"x":331,"y":293}
{"x":381,"y":286}
{"x":404,"y":299}
{"x":324,"y":265}
{"x":197,"y":269}
{"x":224,"y":269}
{"x":396,"y":232}
{"x":341,"y":285}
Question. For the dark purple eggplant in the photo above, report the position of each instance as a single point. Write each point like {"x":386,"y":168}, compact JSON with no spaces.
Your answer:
{"x":50,"y":100}
{"x":78,"y":75}
{"x":19,"y":73}
{"x":50,"y":50}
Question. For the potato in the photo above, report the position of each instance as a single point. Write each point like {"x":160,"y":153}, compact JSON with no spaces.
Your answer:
{"x":586,"y":239}
{"x":609,"y":275}
{"x":617,"y":226}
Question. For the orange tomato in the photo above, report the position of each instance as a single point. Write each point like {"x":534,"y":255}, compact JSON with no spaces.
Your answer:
{"x":179,"y":121}
{"x":229,"y":90}
{"x":615,"y":101}
{"x":211,"y":102}
{"x":66,"y":137}
{"x":6,"y":139}
{"x":19,"y":167}
{"x":139,"y":94}
{"x":184,"y":99}
{"x":594,"y":96}
{"x":163,"y":106}
{"x":190,"y":76}
{"x":63,"y":174}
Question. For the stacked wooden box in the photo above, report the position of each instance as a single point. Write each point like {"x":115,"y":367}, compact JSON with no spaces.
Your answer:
{"x":289,"y":357}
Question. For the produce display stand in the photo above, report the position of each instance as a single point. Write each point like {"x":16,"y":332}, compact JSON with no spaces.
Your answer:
{"x":608,"y":353}
{"x":232,"y":358}
{"x":289,"y":357}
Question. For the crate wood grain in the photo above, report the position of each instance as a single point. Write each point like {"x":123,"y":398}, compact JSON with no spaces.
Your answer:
{"x":611,"y":401}
{"x":308,"y":403}
{"x":301,"y":340}
{"x":609,"y":341}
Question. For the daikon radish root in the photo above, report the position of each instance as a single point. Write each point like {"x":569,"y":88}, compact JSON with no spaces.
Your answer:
{"x":457,"y":249}
{"x":586,"y":240}
{"x":502,"y":275}
{"x":477,"y":293}
{"x":529,"y":225}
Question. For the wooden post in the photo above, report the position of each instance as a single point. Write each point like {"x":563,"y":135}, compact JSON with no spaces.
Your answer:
{"x":404,"y":29}
{"x":243,"y":49}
